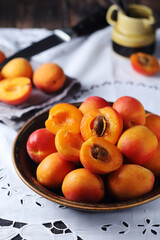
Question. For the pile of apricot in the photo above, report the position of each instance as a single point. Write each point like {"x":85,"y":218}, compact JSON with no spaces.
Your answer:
{"x":17,"y":79}
{"x":98,"y":150}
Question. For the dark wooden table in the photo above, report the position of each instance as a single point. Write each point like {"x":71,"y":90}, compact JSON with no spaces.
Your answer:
{"x":53,"y":14}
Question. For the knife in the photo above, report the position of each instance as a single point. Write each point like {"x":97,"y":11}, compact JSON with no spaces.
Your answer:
{"x":93,"y":22}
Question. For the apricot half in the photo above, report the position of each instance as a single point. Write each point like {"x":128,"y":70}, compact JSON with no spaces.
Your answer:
{"x":105,"y":122}
{"x":130,"y":181}
{"x":83,"y":186}
{"x":100,"y":156}
{"x":16,"y":90}
{"x":68,"y":144}
{"x":64,"y":115}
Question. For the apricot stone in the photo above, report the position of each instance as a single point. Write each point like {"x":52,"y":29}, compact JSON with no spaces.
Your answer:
{"x":138,"y":144}
{"x":130,"y":181}
{"x":83,"y":186}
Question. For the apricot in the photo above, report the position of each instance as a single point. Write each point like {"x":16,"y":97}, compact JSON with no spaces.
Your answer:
{"x":100,"y":156}
{"x":105,"y":122}
{"x":68,"y":144}
{"x":92,"y":103}
{"x":153,"y":123}
{"x":52,"y":170}
{"x":154,"y":163}
{"x":49,"y":77}
{"x":130,"y":181}
{"x":17,"y":67}
{"x":131,"y":110}
{"x":40,"y":144}
{"x":81,"y":185}
{"x":16,"y":90}
{"x":138,"y":144}
{"x":2,"y":56}
{"x":64,"y":115}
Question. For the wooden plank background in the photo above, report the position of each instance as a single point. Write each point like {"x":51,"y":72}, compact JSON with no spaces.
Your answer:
{"x":53,"y":14}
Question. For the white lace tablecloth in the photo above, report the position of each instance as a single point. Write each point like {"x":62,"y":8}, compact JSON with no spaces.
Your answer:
{"x":26,"y":215}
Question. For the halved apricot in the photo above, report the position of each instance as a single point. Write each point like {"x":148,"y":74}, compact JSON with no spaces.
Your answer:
{"x":68,"y":144}
{"x":100,"y":156}
{"x":64,"y":115}
{"x":16,"y":90}
{"x":105,"y":122}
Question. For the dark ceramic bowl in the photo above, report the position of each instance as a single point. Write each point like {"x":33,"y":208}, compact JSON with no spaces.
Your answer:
{"x":26,"y":169}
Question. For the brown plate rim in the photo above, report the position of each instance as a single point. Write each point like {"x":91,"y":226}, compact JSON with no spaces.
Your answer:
{"x":99,"y":207}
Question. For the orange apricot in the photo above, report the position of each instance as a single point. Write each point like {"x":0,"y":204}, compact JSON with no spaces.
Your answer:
{"x":100,"y":156}
{"x":16,"y":90}
{"x":68,"y":144}
{"x":105,"y":122}
{"x":154,"y":162}
{"x":92,"y":103}
{"x":64,"y":115}
{"x":153,"y":123}
{"x":49,"y":77}
{"x":17,"y":67}
{"x":52,"y":170}
{"x":130,"y":181}
{"x":131,"y":111}
{"x":138,"y":144}
{"x":83,"y":186}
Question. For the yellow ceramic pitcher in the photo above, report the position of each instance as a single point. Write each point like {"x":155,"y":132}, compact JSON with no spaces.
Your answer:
{"x":134,"y":31}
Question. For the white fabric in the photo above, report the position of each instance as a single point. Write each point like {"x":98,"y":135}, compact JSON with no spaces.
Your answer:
{"x":103,"y":73}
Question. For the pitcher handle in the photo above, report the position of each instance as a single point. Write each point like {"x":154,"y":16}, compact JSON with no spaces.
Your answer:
{"x":109,"y":15}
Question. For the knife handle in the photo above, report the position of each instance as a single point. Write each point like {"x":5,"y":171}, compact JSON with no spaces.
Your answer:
{"x":92,"y":23}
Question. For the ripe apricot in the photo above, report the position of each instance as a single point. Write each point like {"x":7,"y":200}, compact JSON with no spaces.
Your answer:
{"x":100,"y":156}
{"x":130,"y":181}
{"x":40,"y":144}
{"x":153,"y":123}
{"x":17,"y":67}
{"x":105,"y":122}
{"x":16,"y":90}
{"x":131,"y":111}
{"x":49,"y":77}
{"x":52,"y":170}
{"x":64,"y":115}
{"x":92,"y":103}
{"x":138,"y":144}
{"x":153,"y":164}
{"x":2,"y":57}
{"x":83,"y":186}
{"x":68,"y":144}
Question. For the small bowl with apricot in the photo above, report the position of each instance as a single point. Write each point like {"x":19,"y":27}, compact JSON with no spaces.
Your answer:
{"x":93,"y":156}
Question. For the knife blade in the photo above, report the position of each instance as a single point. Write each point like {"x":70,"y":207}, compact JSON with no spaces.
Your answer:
{"x":93,"y":22}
